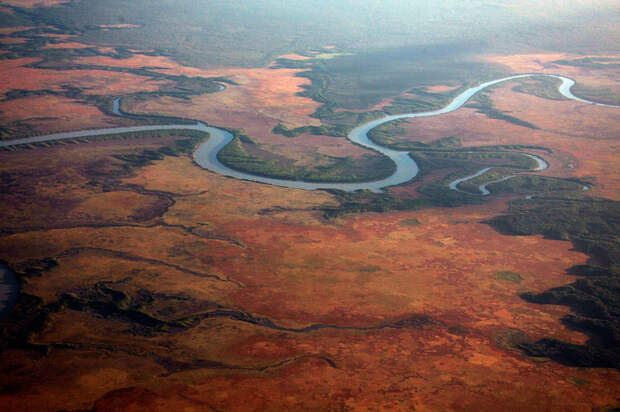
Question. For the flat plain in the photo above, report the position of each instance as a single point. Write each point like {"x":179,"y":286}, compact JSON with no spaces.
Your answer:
{"x":148,"y":283}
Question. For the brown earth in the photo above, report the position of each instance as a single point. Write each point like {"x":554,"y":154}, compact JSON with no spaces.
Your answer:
{"x":442,"y":88}
{"x":12,"y":40}
{"x":579,"y":134}
{"x":267,"y":93}
{"x":181,"y":242}
{"x":297,"y":270}
{"x":545,"y":63}
{"x":11,"y":30}
{"x":263,"y":98}
{"x":42,"y":114}
{"x":67,"y":45}
{"x":13,"y":75}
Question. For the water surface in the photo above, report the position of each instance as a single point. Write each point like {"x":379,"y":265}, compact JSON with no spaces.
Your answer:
{"x":406,"y":168}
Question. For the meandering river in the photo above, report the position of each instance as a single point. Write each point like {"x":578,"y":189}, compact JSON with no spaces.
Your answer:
{"x":406,"y":168}
{"x":206,"y":155}
{"x":541,"y":164}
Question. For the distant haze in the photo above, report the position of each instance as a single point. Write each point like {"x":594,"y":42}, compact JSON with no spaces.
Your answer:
{"x":252,"y":32}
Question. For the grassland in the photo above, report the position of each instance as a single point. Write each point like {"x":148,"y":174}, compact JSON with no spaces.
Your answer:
{"x":148,"y":283}
{"x":482,"y":103}
{"x":224,"y":274}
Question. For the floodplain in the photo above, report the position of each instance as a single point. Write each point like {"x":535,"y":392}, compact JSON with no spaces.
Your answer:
{"x":148,"y":283}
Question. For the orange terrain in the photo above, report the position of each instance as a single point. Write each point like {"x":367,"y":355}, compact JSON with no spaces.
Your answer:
{"x":438,"y":278}
{"x":167,"y":287}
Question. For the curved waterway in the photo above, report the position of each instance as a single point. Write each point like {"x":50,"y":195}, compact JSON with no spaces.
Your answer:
{"x":541,"y":164}
{"x":406,"y":168}
{"x":206,"y":157}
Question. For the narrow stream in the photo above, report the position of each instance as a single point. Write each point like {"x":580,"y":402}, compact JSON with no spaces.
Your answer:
{"x":541,"y":164}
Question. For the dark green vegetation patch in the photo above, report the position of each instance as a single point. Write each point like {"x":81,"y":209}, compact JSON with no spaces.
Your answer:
{"x":362,"y":80}
{"x":483,"y":104}
{"x":509,"y":276}
{"x":178,"y":147}
{"x":525,"y":184}
{"x":409,"y":222}
{"x":237,"y":155}
{"x":592,"y":225}
{"x":543,"y":87}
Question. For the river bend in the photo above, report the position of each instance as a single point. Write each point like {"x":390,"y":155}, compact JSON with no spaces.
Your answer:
{"x":406,"y":168}
{"x":206,"y":156}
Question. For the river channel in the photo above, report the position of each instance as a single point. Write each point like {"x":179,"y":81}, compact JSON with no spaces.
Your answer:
{"x":206,"y":156}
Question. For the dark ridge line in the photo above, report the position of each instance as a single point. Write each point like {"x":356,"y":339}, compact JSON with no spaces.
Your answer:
{"x":415,"y":321}
{"x":127,"y":256}
{"x":109,"y":308}
{"x":166,"y":197}
{"x":207,"y":364}
{"x":143,"y":71}
{"x":174,"y":366}
{"x":188,"y":229}
{"x":278,"y":209}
